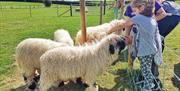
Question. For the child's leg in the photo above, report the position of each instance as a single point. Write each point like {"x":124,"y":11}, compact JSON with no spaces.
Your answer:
{"x":146,"y":63}
{"x":121,"y":12}
{"x":155,"y":72}
{"x":115,"y":11}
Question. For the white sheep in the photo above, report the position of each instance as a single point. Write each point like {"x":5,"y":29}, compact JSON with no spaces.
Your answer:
{"x":63,"y":36}
{"x":86,"y":62}
{"x":28,"y":53}
{"x":98,"y":32}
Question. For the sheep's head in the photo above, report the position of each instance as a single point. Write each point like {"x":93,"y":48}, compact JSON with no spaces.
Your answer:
{"x":116,"y":44}
{"x":112,"y":45}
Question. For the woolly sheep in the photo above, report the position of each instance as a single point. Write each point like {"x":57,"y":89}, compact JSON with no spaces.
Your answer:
{"x":97,"y":32}
{"x":63,"y":36}
{"x":28,"y":53}
{"x":87,"y":62}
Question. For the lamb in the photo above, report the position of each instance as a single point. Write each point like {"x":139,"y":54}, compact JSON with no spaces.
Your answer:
{"x":98,"y":32}
{"x":86,"y":62}
{"x":28,"y":53}
{"x":63,"y":36}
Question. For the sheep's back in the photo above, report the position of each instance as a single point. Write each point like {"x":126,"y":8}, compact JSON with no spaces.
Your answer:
{"x":31,"y":49}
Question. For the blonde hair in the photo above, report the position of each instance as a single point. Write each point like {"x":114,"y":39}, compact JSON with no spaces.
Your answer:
{"x":148,"y":4}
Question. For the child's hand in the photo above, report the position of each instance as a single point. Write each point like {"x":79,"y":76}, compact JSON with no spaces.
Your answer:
{"x":128,"y":40}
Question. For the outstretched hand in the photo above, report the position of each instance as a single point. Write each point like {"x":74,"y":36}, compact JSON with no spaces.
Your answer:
{"x":128,"y":40}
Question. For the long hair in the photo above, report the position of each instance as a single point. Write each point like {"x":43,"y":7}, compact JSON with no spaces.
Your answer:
{"x":148,"y":6}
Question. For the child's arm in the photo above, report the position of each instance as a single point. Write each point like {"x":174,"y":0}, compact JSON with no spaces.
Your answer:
{"x":158,"y":40}
{"x":160,"y":14}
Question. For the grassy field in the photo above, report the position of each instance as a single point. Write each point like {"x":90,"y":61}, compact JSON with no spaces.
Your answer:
{"x":17,"y":25}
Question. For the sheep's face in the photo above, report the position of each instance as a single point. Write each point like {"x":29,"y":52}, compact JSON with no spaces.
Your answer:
{"x":116,"y":44}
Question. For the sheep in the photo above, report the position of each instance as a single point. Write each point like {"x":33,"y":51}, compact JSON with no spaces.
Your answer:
{"x":63,"y":36}
{"x":28,"y":53}
{"x":98,"y":32}
{"x":86,"y":62}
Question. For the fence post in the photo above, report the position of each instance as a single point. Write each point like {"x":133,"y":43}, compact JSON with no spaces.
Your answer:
{"x":100,"y":21}
{"x":71,"y":9}
{"x":104,"y":7}
{"x":83,"y":21}
{"x":30,"y":11}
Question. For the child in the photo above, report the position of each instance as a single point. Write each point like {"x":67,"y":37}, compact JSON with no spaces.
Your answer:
{"x":148,"y":43}
{"x":115,"y":9}
{"x":118,"y":4}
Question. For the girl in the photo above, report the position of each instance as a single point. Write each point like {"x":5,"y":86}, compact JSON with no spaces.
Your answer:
{"x":148,"y":43}
{"x":118,"y":4}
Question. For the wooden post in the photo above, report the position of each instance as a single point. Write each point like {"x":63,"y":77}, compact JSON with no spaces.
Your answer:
{"x":83,"y":20}
{"x":104,"y":7}
{"x":100,"y":21}
{"x":71,"y":9}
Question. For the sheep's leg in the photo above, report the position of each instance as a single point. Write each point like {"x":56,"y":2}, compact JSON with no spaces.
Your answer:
{"x":38,"y":72}
{"x":45,"y":83}
{"x":58,"y":83}
{"x":92,"y":87}
{"x":89,"y":79}
{"x":28,"y":75}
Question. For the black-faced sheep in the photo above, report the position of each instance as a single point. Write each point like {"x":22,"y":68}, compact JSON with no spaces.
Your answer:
{"x":86,"y":62}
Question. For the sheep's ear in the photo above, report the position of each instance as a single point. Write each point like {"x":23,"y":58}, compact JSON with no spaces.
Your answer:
{"x":111,"y":49}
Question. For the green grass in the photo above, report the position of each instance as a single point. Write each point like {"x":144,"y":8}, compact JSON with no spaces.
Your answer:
{"x":17,"y":25}
{"x":178,"y":2}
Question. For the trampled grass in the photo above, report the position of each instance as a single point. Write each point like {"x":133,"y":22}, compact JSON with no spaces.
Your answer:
{"x":17,"y":25}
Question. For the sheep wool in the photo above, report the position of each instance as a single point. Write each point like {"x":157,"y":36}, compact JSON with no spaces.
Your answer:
{"x":28,"y":53}
{"x":98,"y":32}
{"x":86,"y":62}
{"x":63,"y":36}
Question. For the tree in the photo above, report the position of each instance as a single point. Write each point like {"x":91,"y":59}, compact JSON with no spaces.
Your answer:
{"x":47,"y":3}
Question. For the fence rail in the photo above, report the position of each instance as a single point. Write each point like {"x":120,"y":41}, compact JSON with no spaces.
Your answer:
{"x":70,"y":10}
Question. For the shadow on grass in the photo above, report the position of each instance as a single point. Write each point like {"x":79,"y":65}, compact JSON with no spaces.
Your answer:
{"x":174,"y":79}
{"x":69,"y":87}
{"x":123,"y":83}
{"x":21,"y":88}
